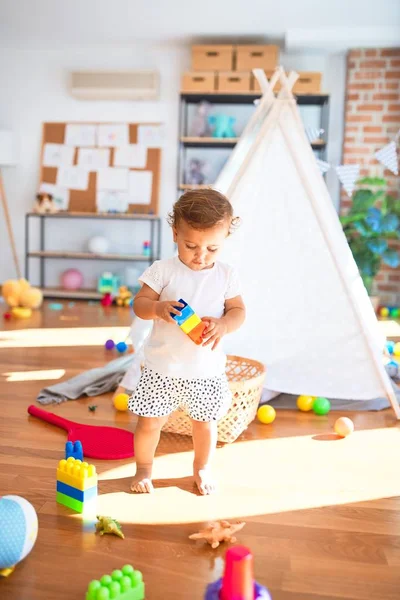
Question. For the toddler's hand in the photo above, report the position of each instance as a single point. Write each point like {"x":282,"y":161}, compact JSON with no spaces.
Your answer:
{"x":163,"y":310}
{"x":215,"y":331}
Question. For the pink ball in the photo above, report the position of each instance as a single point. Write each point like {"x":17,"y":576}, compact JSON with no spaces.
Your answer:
{"x":71,"y":279}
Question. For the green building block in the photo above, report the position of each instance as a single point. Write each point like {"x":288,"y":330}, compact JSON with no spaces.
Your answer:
{"x":75,"y":505}
{"x":124,"y":584}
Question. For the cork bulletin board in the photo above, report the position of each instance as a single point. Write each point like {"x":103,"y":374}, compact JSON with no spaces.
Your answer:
{"x":84,"y":200}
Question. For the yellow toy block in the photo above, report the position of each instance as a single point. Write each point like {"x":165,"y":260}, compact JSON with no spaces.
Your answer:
{"x":190,"y":323}
{"x":76,"y":473}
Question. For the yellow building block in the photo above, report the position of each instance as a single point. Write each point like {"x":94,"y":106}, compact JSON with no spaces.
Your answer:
{"x":190,"y":323}
{"x":76,"y":473}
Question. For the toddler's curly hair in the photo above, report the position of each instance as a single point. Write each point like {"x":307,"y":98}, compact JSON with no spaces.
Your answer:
{"x":203,"y":209}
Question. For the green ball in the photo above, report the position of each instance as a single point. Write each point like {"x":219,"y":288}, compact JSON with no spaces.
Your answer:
{"x":321,"y":406}
{"x":394,"y":312}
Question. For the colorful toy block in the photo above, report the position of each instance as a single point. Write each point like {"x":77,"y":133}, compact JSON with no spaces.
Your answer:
{"x":190,"y":323}
{"x":76,"y":484}
{"x":124,"y":584}
{"x":74,"y":449}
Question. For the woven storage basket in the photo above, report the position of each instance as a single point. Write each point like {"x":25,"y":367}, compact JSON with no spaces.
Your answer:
{"x":246,"y":378}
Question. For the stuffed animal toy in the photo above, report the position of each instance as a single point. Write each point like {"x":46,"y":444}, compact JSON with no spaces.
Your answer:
{"x":19,"y":294}
{"x":223,"y":126}
{"x":44,"y":204}
{"x":200,"y":124}
{"x":194,"y":173}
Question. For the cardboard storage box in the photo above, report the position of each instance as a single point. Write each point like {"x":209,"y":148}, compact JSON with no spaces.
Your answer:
{"x":234,"y":81}
{"x":307,"y":83}
{"x":212,"y":58}
{"x":257,"y":57}
{"x":198,"y":82}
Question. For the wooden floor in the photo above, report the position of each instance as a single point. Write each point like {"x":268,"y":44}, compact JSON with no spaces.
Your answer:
{"x":323,"y":515}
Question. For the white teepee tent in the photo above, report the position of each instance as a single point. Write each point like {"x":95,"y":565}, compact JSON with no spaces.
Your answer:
{"x":309,"y":317}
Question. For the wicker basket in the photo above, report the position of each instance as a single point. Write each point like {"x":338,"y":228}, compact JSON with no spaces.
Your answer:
{"x":246,"y":378}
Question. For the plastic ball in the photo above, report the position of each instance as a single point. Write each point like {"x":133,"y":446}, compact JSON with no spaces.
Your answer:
{"x":321,"y":406}
{"x":7,"y":316}
{"x":384,"y":311}
{"x":396,"y":350}
{"x":121,"y":402}
{"x":98,"y":245}
{"x":121,"y":347}
{"x":266,"y":414}
{"x":392,"y":369}
{"x":305,"y":403}
{"x":109,"y":345}
{"x":19,"y":528}
{"x":390,"y":347}
{"x":344,"y":426}
{"x":71,"y":279}
{"x":394,"y":312}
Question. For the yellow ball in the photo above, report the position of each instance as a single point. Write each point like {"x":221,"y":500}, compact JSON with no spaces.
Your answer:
{"x":266,"y":414}
{"x":384,"y":312}
{"x":305,"y":403}
{"x":344,"y":426}
{"x":396,"y":350}
{"x":121,"y":402}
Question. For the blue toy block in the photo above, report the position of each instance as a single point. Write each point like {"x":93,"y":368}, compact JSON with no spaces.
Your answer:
{"x":81,"y":496}
{"x":186,"y":313}
{"x":185,"y":304}
{"x":74,"y":449}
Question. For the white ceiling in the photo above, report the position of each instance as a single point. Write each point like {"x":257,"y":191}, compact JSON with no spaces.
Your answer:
{"x":127,"y":21}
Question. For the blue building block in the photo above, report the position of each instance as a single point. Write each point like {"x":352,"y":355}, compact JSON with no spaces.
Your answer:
{"x":72,"y":492}
{"x":74,"y":449}
{"x":186,"y":313}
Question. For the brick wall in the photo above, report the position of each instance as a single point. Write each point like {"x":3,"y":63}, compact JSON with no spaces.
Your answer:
{"x":372,"y":119}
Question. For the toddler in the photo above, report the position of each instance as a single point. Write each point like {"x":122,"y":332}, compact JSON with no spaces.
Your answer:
{"x":177,"y":372}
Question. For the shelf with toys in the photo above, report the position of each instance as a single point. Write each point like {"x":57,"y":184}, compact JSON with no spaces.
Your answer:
{"x":151,"y":250}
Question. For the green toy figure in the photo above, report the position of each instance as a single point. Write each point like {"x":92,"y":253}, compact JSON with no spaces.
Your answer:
{"x":108,"y":525}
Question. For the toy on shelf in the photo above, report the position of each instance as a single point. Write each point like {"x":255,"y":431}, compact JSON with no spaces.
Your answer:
{"x":321,"y":406}
{"x":76,"y":484}
{"x":71,"y":279}
{"x":190,"y":323}
{"x":200,"y":125}
{"x":124,"y":584}
{"x":121,"y":402}
{"x":108,"y":284}
{"x":21,"y":298}
{"x":343,"y":426}
{"x":266,"y":414}
{"x":19,"y":528}
{"x":44,"y":204}
{"x":98,"y":245}
{"x":216,"y":533}
{"x":108,"y":525}
{"x":390,"y":347}
{"x":396,"y":350}
{"x":106,"y":443}
{"x":195,"y":174}
{"x":106,"y":300}
{"x":392,"y":369}
{"x":146,"y":250}
{"x":238,"y":579}
{"x":305,"y":403}
{"x":389,"y":311}
{"x":74,"y":449}
{"x":222,"y":126}
{"x":124,"y":297}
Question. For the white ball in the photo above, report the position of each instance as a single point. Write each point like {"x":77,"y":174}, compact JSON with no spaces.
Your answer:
{"x":18,"y":527}
{"x":98,"y":245}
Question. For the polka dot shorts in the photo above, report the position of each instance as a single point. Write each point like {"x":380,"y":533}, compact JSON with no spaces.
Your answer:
{"x":159,"y":395}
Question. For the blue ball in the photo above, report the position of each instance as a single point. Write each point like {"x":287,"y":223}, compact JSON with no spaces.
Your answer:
{"x":19,"y":527}
{"x":121,"y":347}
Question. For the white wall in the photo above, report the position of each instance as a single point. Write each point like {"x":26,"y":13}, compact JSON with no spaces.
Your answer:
{"x":34,"y":90}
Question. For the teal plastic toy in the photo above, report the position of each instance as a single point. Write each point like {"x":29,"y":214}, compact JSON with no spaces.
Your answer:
{"x":223,"y":126}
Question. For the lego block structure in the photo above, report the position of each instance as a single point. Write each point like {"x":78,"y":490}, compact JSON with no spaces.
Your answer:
{"x":74,"y":449}
{"x":76,"y":484}
{"x":124,"y":584}
{"x":190,"y":323}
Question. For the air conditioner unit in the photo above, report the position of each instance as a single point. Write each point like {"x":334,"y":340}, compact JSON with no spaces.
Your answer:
{"x":115,"y":85}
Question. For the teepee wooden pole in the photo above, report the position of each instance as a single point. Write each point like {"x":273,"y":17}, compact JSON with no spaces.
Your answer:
{"x":384,"y":378}
{"x":9,"y":226}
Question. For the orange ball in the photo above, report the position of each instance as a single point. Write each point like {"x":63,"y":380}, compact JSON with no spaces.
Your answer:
{"x":121,"y":402}
{"x":344,"y":426}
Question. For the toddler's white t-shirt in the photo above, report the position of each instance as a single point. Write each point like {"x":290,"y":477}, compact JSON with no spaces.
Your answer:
{"x":169,"y":351}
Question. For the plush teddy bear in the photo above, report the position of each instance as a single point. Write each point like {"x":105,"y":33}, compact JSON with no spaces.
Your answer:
{"x":44,"y":204}
{"x":223,"y":126}
{"x":20,"y":294}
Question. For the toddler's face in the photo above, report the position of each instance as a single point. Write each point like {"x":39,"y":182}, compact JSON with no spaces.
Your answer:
{"x":198,"y":250}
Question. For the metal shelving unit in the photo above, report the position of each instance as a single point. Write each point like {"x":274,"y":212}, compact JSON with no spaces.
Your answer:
{"x":42,"y":254}
{"x":185,"y":141}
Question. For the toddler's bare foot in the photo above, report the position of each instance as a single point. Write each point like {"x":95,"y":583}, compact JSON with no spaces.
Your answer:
{"x":141,"y":483}
{"x":204,"y":481}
